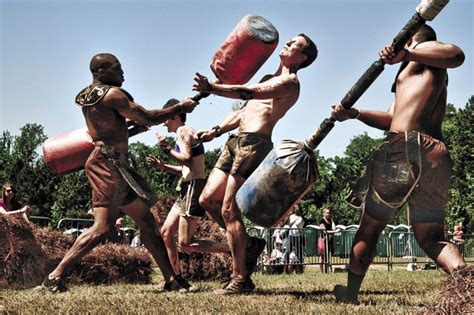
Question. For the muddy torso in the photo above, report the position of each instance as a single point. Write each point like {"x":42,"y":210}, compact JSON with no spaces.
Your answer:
{"x":420,"y":99}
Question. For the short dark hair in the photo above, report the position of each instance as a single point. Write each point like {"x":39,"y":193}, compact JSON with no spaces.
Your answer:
{"x":172,"y":102}
{"x":101,"y":61}
{"x":425,"y":34}
{"x":310,"y":51}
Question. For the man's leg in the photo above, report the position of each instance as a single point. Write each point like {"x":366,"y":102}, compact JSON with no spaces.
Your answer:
{"x":430,"y":237}
{"x":104,"y":222}
{"x":363,"y":250}
{"x":213,"y":194}
{"x":168,"y":232}
{"x":187,"y":228}
{"x":140,"y":213}
{"x":236,"y":236}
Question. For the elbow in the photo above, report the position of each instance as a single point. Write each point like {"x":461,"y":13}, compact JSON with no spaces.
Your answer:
{"x":457,"y":58}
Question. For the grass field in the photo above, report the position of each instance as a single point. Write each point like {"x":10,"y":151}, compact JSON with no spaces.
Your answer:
{"x":393,"y":292}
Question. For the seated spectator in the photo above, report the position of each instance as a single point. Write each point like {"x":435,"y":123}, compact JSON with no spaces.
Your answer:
{"x":294,"y":263}
{"x":458,"y":237}
{"x":9,"y":204}
{"x":136,"y":241}
{"x":276,"y":259}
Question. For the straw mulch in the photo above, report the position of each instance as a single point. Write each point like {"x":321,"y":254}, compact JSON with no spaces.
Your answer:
{"x":22,"y":259}
{"x":28,"y":253}
{"x":114,"y":263}
{"x":207,"y":266}
{"x":457,"y":295}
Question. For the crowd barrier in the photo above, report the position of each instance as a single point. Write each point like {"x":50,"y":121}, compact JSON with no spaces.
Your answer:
{"x":396,"y":246}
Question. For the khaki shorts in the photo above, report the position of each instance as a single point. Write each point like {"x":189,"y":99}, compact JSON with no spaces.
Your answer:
{"x":113,"y":182}
{"x":243,"y":153}
{"x":395,"y":179}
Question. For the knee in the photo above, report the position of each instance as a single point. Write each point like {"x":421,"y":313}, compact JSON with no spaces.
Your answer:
{"x":205,"y":200}
{"x":230,"y":214}
{"x":166,"y":234}
{"x":99,"y":233}
{"x":362,"y":255}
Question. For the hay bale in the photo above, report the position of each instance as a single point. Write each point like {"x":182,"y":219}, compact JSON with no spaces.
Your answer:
{"x":28,"y":253}
{"x":457,"y":295}
{"x":161,"y":209}
{"x":22,"y":259}
{"x":113,"y":263}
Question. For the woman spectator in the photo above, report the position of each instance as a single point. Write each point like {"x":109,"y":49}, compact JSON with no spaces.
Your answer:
{"x":9,"y":205}
{"x":328,"y":227}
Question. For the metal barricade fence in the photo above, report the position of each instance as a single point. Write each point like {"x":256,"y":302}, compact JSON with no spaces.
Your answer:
{"x":40,"y":221}
{"x":295,"y":248}
{"x":74,"y":226}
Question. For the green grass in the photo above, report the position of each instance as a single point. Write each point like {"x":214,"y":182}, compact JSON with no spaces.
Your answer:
{"x":394,"y":292}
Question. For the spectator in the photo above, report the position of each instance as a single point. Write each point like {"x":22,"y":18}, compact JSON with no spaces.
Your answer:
{"x":9,"y":205}
{"x":458,"y":234}
{"x":136,"y":241}
{"x":116,"y":235}
{"x":296,"y":238}
{"x":328,"y":227}
{"x":276,"y":258}
{"x":280,"y":234}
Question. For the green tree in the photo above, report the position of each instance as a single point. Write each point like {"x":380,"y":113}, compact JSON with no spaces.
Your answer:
{"x":459,"y":135}
{"x":347,"y":170}
{"x":23,"y":167}
{"x":72,"y":198}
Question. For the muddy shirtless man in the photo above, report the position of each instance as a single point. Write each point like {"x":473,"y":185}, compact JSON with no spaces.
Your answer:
{"x":115,"y":185}
{"x":268,"y":102}
{"x":412,"y":164}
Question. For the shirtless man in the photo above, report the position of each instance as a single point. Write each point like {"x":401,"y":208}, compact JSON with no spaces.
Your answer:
{"x":412,"y":164}
{"x":268,"y":102}
{"x":185,"y":214}
{"x":115,"y":185}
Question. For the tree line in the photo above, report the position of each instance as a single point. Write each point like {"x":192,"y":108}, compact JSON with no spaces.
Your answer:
{"x":69,"y":195}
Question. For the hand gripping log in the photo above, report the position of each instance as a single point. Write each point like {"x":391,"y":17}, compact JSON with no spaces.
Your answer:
{"x":427,"y":10}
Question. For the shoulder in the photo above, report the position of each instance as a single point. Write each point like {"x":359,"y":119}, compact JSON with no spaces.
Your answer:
{"x":117,"y":98}
{"x":116,"y":93}
{"x":185,"y":131}
{"x":186,"y":134}
{"x":291,"y":80}
{"x":92,"y":94}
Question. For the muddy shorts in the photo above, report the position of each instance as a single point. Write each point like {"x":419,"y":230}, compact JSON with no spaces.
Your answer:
{"x":243,"y":153}
{"x":408,"y":167}
{"x":188,"y":200}
{"x":114,"y":183}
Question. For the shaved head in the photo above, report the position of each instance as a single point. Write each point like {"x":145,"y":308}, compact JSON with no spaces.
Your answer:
{"x":101,"y":61}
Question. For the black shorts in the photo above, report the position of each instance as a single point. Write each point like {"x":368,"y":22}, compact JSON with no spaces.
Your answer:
{"x":188,"y":200}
